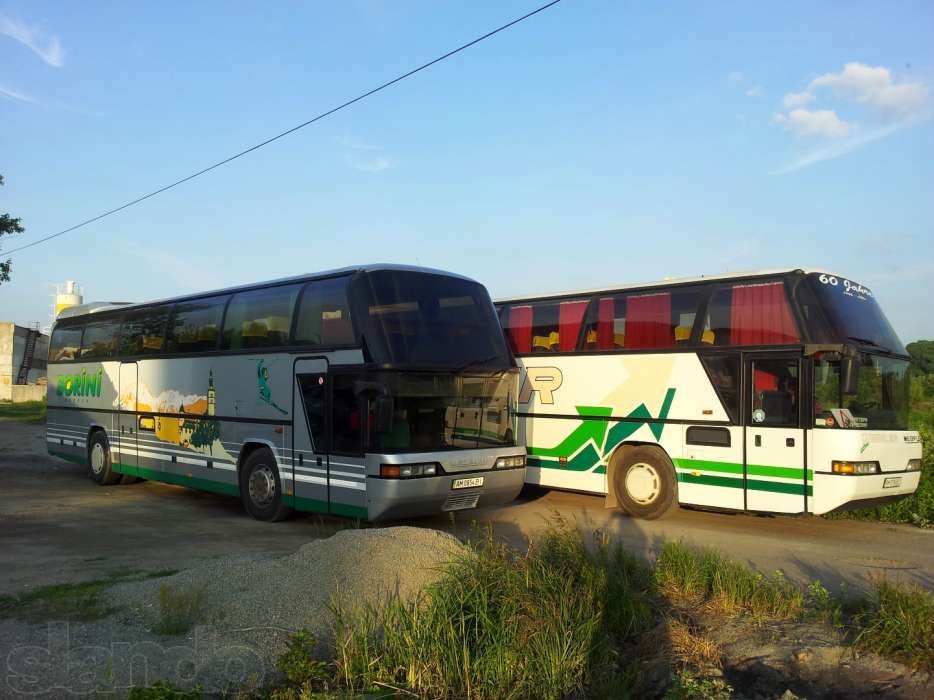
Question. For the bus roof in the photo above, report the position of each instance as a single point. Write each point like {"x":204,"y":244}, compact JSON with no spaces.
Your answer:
{"x":99,"y":307}
{"x":670,"y":281}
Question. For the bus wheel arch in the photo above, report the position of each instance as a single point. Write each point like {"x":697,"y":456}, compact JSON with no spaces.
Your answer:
{"x":260,"y":483}
{"x":641,"y":480}
{"x":99,"y":461}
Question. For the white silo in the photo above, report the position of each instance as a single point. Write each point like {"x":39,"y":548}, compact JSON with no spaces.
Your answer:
{"x":67,"y":294}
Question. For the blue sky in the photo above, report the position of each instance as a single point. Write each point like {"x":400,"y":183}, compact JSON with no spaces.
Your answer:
{"x":597,"y":143}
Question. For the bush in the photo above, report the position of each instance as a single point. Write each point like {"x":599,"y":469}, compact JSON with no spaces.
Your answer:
{"x":897,"y":620}
{"x":180,"y":609}
{"x":502,"y":625}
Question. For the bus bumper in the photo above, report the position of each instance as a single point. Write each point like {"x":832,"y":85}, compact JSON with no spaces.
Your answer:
{"x":391,"y":499}
{"x":848,"y":491}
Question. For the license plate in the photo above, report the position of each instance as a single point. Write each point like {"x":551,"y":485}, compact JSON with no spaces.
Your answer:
{"x":471,"y":483}
{"x":892,"y":482}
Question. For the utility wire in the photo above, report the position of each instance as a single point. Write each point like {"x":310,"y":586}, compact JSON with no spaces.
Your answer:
{"x":287,"y":132}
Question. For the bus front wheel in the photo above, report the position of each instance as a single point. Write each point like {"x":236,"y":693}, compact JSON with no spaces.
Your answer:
{"x":645,"y":483}
{"x":261,"y":489}
{"x":100,"y":466}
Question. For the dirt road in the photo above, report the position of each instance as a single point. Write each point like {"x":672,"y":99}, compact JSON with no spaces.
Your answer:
{"x":57,"y":526}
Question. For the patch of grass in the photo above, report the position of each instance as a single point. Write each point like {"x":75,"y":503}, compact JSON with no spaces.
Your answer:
{"x":686,"y":686}
{"x":180,"y":609}
{"x":897,"y":620}
{"x":501,"y":625}
{"x":162,"y":690}
{"x":690,"y":576}
{"x":26,"y":411}
{"x":80,"y":601}
{"x":298,"y":663}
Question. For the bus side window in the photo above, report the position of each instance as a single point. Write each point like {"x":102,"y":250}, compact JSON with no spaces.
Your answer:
{"x":750,"y":314}
{"x":313,"y":389}
{"x":100,"y":340}
{"x":195,"y":325}
{"x":143,"y":331}
{"x":260,"y":318}
{"x":347,"y":423}
{"x":775,"y":393}
{"x":65,"y":343}
{"x":324,"y":315}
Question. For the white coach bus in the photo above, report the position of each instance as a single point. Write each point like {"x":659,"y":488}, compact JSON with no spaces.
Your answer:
{"x":376,"y":392}
{"x":783,"y":392}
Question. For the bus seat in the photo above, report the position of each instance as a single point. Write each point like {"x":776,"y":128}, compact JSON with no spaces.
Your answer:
{"x":708,"y":336}
{"x":152,"y":342}
{"x":591,"y":337}
{"x":778,"y":406}
{"x":545,"y":342}
{"x":619,"y":340}
{"x":682,"y":334}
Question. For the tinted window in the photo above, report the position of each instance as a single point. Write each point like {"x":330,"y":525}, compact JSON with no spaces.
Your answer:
{"x":347,"y":432}
{"x":417,"y":318}
{"x":313,"y":388}
{"x":775,"y":393}
{"x":517,"y":322}
{"x":708,"y":435}
{"x":143,"y":331}
{"x":195,"y":325}
{"x":100,"y":339}
{"x":750,"y":314}
{"x":643,"y":320}
{"x":853,"y":313}
{"x":723,"y":371}
{"x":324,"y":315}
{"x":65,"y":343}
{"x":260,"y":318}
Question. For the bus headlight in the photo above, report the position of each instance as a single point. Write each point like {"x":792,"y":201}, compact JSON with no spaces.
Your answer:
{"x":914,"y":465}
{"x":509,"y":462}
{"x":855,"y":467}
{"x":408,"y":471}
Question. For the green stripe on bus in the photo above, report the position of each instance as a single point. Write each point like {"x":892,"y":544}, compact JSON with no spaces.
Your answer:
{"x":581,"y":462}
{"x":752,"y":484}
{"x":77,"y":459}
{"x":734,"y":468}
{"x":313,"y":505}
{"x":178,"y":479}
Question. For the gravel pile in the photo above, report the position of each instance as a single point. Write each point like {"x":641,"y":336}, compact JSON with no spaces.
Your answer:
{"x":293,"y":592}
{"x":252,"y":604}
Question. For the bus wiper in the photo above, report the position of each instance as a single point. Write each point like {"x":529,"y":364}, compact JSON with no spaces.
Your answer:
{"x":864,"y":341}
{"x":474,"y":363}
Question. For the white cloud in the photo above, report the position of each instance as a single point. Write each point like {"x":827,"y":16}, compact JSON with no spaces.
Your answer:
{"x":797,"y":99}
{"x":46,"y":47}
{"x":755,"y":91}
{"x":836,"y":149}
{"x":369,"y":165}
{"x":822,"y":122}
{"x":12,"y":94}
{"x":874,"y":85}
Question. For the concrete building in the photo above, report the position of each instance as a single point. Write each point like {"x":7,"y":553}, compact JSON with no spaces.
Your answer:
{"x":23,"y":356}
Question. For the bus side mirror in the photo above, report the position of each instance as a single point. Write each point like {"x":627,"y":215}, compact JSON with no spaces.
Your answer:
{"x":384,"y":409}
{"x":849,"y":375}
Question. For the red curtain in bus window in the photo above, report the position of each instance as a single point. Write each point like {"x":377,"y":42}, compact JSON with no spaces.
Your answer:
{"x":764,"y":381}
{"x":520,"y":329}
{"x":759,"y":315}
{"x":570,"y":316}
{"x":606,"y":315}
{"x":648,"y":321}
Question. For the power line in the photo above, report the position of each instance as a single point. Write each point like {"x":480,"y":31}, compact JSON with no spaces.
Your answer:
{"x":287,"y":132}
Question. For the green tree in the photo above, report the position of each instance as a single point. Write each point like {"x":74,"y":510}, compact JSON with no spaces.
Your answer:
{"x":922,"y":355}
{"x":8,"y":227}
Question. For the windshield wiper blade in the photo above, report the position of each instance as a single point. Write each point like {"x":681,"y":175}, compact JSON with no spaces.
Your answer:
{"x":474,"y":363}
{"x":864,"y":341}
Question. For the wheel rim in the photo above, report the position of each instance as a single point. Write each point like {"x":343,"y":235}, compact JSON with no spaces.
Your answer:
{"x":97,"y":458}
{"x":262,"y":486}
{"x":643,"y":483}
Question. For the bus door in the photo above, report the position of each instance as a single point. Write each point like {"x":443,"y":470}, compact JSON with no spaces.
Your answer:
{"x":310,"y":433}
{"x":775,"y":475}
{"x":125,"y":452}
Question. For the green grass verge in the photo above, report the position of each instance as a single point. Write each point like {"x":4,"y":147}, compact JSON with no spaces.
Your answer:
{"x":70,"y":601}
{"x":180,"y":609}
{"x":897,"y":621}
{"x":26,"y":412}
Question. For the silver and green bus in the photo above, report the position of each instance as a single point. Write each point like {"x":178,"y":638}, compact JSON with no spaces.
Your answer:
{"x":374,"y":392}
{"x":779,"y":391}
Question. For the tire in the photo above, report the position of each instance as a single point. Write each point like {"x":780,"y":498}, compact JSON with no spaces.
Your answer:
{"x":645,"y":482}
{"x":100,"y":466}
{"x":260,"y":488}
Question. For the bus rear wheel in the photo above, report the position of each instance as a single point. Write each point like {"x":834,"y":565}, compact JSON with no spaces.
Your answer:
{"x":261,"y":489}
{"x":644,"y":482}
{"x":100,"y":466}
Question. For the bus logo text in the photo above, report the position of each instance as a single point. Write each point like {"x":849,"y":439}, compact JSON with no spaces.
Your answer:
{"x":82,"y":384}
{"x":544,"y":380}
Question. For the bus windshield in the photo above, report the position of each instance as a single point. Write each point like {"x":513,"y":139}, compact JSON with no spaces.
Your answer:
{"x":432,"y":411}
{"x":852,"y":314}
{"x":879,"y":403}
{"x":428,"y":320}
